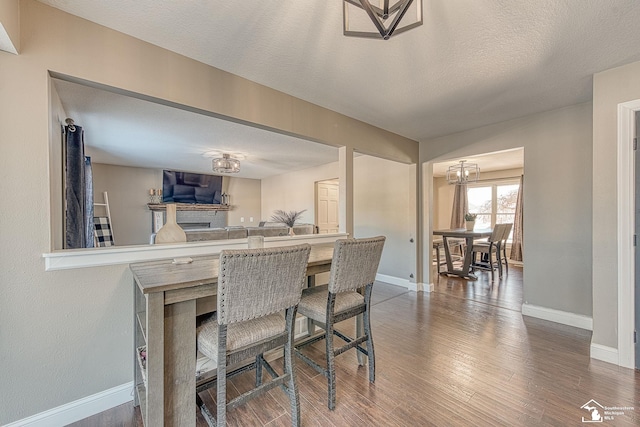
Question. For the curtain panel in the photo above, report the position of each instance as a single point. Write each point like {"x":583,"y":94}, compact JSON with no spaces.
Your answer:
{"x":78,"y":191}
{"x":516,"y":243}
{"x":460,"y":206}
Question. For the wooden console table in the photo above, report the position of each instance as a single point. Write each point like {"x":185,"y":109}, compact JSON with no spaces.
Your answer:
{"x":168,"y":297}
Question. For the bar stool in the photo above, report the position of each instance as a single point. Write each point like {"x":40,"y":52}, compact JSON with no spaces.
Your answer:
{"x":254,"y":287}
{"x":354,"y":267}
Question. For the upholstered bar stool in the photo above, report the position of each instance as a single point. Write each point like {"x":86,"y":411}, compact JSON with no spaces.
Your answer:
{"x":354,"y":267}
{"x":255,"y":287}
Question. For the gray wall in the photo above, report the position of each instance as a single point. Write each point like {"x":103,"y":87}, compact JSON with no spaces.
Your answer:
{"x":384,"y":204}
{"x":128,"y":191}
{"x":557,"y":198}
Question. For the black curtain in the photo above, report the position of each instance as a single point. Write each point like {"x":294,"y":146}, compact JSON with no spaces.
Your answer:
{"x":78,"y":191}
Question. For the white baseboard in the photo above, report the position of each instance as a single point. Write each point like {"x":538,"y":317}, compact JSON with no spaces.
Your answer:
{"x":79,"y":409}
{"x":421,"y":287}
{"x":392,"y":280}
{"x":604,"y":353}
{"x":562,"y":317}
{"x":405,"y":283}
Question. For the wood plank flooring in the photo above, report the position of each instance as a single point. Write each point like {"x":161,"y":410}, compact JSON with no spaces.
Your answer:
{"x":460,"y":356}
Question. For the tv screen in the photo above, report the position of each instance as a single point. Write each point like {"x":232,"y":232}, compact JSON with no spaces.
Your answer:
{"x":187,"y":187}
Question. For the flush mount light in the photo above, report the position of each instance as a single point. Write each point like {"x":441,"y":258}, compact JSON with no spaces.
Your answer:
{"x":463,"y":173}
{"x":225,"y":164}
{"x":386,"y":18}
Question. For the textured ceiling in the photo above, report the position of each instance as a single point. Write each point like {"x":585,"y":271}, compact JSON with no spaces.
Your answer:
{"x":470,"y":64}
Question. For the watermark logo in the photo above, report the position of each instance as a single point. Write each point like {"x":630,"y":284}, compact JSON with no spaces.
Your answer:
{"x":595,"y":412}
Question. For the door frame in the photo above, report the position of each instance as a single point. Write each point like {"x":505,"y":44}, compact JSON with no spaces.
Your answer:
{"x":626,"y":230}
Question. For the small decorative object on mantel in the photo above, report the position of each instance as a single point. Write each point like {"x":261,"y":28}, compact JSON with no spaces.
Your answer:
{"x":470,"y":220}
{"x":287,"y":218}
{"x":171,"y":232}
{"x":155,"y":196}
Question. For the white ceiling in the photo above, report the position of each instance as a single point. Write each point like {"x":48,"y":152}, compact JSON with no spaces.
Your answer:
{"x":470,"y":64}
{"x":126,"y":131}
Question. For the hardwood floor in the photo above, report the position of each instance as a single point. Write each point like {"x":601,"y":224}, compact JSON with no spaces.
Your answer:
{"x":505,"y":292}
{"x":460,"y":356}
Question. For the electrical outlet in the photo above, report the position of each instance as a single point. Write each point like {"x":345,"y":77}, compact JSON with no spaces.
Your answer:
{"x":250,"y":219}
{"x":241,"y":219}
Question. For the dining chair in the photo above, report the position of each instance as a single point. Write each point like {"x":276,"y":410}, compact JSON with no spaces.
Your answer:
{"x":255,"y":287}
{"x":489,"y":252}
{"x":353,"y":269}
{"x":502,"y":249}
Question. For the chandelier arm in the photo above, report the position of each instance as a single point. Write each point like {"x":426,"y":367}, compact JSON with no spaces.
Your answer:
{"x":396,"y":21}
{"x":355,"y":3}
{"x":374,"y":17}
{"x":408,"y":27}
{"x":379,"y":16}
{"x":380,"y":12}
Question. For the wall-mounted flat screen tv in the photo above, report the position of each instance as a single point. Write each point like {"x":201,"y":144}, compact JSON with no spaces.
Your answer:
{"x":187,"y":187}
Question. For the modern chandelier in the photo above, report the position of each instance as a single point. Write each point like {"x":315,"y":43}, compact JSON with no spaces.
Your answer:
{"x":386,"y":18}
{"x":463,"y":173}
{"x":225,"y":164}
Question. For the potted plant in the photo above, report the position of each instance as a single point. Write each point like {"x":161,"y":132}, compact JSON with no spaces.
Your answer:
{"x":470,"y":219}
{"x":287,"y":218}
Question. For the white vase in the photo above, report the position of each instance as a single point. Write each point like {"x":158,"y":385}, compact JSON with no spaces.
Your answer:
{"x":171,"y":232}
{"x":470,"y":225}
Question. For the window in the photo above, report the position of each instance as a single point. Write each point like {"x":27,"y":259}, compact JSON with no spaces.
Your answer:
{"x":493,"y":203}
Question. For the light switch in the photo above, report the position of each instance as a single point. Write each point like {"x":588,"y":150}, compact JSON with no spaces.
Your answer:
{"x":241,"y":219}
{"x":250,"y":219}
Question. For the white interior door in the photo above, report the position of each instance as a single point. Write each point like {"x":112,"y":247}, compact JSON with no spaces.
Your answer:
{"x":327,"y":206}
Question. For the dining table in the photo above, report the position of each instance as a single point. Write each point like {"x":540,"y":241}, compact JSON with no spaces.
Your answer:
{"x":469,"y":236}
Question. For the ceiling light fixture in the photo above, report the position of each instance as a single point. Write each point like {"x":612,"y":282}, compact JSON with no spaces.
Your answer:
{"x":225,"y":164}
{"x":386,"y":18}
{"x":463,"y":173}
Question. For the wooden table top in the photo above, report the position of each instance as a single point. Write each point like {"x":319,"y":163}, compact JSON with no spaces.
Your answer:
{"x":463,"y":233}
{"x":164,"y":275}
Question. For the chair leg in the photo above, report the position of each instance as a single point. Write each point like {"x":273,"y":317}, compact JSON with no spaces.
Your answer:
{"x":289,"y":368}
{"x":367,"y":331}
{"x":491,"y":265}
{"x":331,"y":368}
{"x":221,"y":379}
{"x":258,"y":370}
{"x":506,"y":261}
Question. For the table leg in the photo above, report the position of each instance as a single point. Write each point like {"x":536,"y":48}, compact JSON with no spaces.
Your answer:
{"x":447,"y":253}
{"x":466,"y":267}
{"x":180,"y":364}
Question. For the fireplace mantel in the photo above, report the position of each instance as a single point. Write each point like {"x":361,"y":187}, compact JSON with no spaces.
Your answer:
{"x":188,"y":207}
